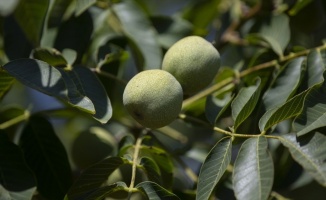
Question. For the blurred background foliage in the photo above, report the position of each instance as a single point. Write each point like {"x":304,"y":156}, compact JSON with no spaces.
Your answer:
{"x":116,"y":39}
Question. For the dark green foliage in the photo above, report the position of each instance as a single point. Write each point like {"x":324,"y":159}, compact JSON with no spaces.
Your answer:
{"x":256,"y":132}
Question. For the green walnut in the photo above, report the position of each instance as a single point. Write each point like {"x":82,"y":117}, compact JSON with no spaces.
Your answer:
{"x":153,"y":98}
{"x":193,"y":61}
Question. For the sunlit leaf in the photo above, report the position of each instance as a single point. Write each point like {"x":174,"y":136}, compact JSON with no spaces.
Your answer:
{"x":311,"y":154}
{"x":30,"y":15}
{"x":6,"y":82}
{"x":284,"y":85}
{"x":253,"y":171}
{"x":138,"y":28}
{"x":214,"y":167}
{"x":154,"y":191}
{"x":93,"y":177}
{"x":151,"y":169}
{"x":17,"y":180}
{"x":46,"y":156}
{"x":244,"y":103}
{"x":82,"y":5}
{"x":289,"y":109}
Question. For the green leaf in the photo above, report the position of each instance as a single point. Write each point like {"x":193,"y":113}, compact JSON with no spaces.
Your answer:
{"x":154,"y":191}
{"x":95,"y":91}
{"x":214,"y":167}
{"x":57,"y":11}
{"x":102,"y":143}
{"x":82,"y":5}
{"x":93,"y":177}
{"x":244,"y":103}
{"x":76,"y":94}
{"x":311,"y":156}
{"x":171,"y":29}
{"x":137,"y":27}
{"x":215,"y":107}
{"x":51,"y":56}
{"x":313,"y":115}
{"x":151,"y":169}
{"x":275,"y":30}
{"x":163,"y":161}
{"x":30,"y":15}
{"x":201,"y":14}
{"x":7,"y":7}
{"x":102,"y":192}
{"x":17,"y":180}
{"x":285,"y":84}
{"x":46,"y":156}
{"x":289,"y":109}
{"x":6,"y":82}
{"x":315,"y":67}
{"x":299,"y":5}
{"x":253,"y":172}
{"x":38,"y":75}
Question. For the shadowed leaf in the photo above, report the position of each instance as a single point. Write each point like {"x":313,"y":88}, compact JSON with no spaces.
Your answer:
{"x":30,"y":15}
{"x":253,"y":172}
{"x":6,"y":82}
{"x":244,"y":103}
{"x":139,"y":29}
{"x":93,"y":177}
{"x":311,"y":156}
{"x":17,"y":181}
{"x":154,"y":191}
{"x":214,"y":167}
{"x":47,"y":157}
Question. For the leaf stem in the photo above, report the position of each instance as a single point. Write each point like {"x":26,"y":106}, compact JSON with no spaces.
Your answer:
{"x":108,"y":75}
{"x":15,"y":120}
{"x":135,"y":160}
{"x":246,"y":72}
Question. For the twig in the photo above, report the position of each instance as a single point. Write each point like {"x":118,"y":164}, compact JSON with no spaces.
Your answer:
{"x":246,"y":72}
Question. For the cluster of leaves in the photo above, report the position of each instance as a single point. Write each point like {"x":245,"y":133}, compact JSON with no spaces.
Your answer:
{"x":258,"y":132}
